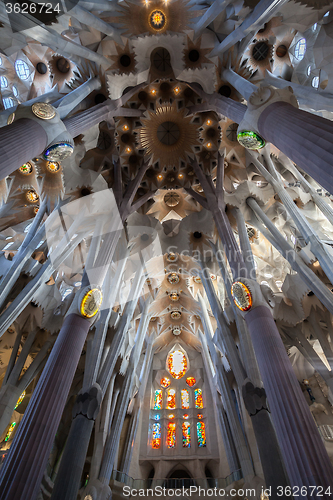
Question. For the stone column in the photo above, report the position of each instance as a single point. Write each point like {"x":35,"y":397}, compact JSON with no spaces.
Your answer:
{"x":69,"y":475}
{"x":302,"y":448}
{"x":304,"y":137}
{"x":20,"y":142}
{"x":23,"y":469}
{"x":271,"y":461}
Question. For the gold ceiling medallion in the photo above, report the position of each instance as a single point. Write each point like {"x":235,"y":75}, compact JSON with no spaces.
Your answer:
{"x":241,"y":295}
{"x":197,"y":279}
{"x":157,"y":20}
{"x":172,"y":257}
{"x":43,"y":110}
{"x":174,"y":296}
{"x":175,"y":314}
{"x":91,"y":303}
{"x":53,"y":166}
{"x":32,"y":196}
{"x":167,"y":135}
{"x":26,"y":168}
{"x":173,"y":278}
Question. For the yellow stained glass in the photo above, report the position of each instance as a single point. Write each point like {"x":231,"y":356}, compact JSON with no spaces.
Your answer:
{"x":186,"y":428}
{"x":177,"y":364}
{"x":156,"y":436}
{"x":171,"y":436}
{"x":20,"y":399}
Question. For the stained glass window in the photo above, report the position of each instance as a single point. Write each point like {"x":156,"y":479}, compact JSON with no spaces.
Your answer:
{"x":191,"y":381}
{"x":158,"y":400}
{"x":200,"y":416}
{"x":156,"y":436}
{"x":177,"y":364}
{"x":198,"y":398}
{"x":185,"y":416}
{"x":171,"y":416}
{"x":171,"y":437}
{"x":165,"y":382}
{"x":22,"y":69}
{"x":201,"y":434}
{"x":10,"y":430}
{"x":171,"y":401}
{"x":157,"y":417}
{"x":20,"y":399}
{"x":186,"y":434}
{"x":185,"y":399}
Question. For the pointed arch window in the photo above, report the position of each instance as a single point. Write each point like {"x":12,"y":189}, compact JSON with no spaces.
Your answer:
{"x":198,"y":398}
{"x":156,"y":444}
{"x":158,"y":400}
{"x":171,"y":400}
{"x":185,"y":397}
{"x":201,"y":434}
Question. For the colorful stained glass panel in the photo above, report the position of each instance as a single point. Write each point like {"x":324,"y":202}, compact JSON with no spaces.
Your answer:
{"x":186,"y":434}
{"x":177,"y":364}
{"x":191,"y":381}
{"x":171,"y":437}
{"x":10,"y":431}
{"x":201,"y":434}
{"x":165,"y":382}
{"x":171,"y":401}
{"x":185,"y":399}
{"x":158,"y":400}
{"x":156,"y":436}
{"x":198,"y":398}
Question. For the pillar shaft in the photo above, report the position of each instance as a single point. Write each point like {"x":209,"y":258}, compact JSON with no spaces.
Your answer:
{"x":302,"y":448}
{"x":306,"y":138}
{"x":20,"y":142}
{"x":23,"y":469}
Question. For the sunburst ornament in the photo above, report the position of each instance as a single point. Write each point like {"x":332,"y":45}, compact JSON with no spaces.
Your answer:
{"x":157,"y":20}
{"x":167,"y":135}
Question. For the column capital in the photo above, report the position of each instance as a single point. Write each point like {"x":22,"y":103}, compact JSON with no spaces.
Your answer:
{"x":248,"y":295}
{"x":248,"y":129}
{"x":60,"y":143}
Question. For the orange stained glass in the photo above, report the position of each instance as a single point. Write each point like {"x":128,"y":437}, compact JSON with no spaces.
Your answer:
{"x":191,"y":381}
{"x":200,"y":416}
{"x":171,"y":416}
{"x":171,"y":437}
{"x":177,"y":364}
{"x":198,"y":398}
{"x":185,"y":416}
{"x":158,"y":400}
{"x":165,"y":382}
{"x":185,"y":399}
{"x":186,"y":428}
{"x":171,"y":399}
{"x":156,"y":436}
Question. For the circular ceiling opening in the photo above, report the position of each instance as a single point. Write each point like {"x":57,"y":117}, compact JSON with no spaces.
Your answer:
{"x":125,"y":61}
{"x":41,"y":68}
{"x":63,"y":65}
{"x":197,"y":235}
{"x":281,"y":51}
{"x":165,"y":87}
{"x":168,"y":133}
{"x":260,"y":51}
{"x":225,"y":90}
{"x":193,"y":55}
{"x":142,"y":95}
{"x":172,"y":199}
{"x":99,"y":98}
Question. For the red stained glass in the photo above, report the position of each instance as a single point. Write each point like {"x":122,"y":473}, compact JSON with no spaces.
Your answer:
{"x":191,"y":381}
{"x":156,"y":436}
{"x":198,"y":398}
{"x":185,"y":399}
{"x":186,"y":428}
